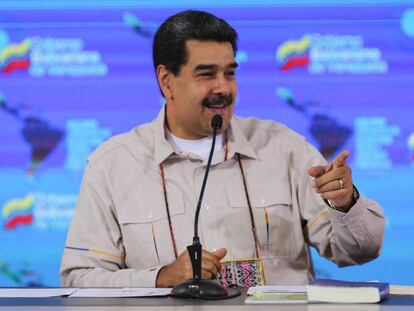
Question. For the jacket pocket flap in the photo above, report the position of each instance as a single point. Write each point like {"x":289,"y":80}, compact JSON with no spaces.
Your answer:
{"x":148,"y":206}
{"x":261,"y":195}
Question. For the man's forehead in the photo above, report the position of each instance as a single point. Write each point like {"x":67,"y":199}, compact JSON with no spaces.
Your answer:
{"x":210,"y":53}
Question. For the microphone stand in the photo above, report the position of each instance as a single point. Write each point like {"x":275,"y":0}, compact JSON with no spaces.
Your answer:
{"x":198,"y":287}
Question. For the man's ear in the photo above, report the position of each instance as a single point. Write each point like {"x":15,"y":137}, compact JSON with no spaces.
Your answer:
{"x":164,"y":77}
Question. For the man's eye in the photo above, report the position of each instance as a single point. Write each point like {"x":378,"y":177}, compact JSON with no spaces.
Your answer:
{"x":230,"y":73}
{"x":206,"y":74}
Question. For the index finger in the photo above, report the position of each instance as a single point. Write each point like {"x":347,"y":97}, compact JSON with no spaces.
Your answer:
{"x":340,"y":159}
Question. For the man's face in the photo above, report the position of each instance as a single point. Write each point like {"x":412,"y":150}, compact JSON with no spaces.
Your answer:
{"x":205,"y":86}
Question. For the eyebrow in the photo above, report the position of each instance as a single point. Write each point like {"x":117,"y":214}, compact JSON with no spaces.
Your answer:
{"x":202,"y":67}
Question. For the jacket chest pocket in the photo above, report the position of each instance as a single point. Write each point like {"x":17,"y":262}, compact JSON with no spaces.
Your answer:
{"x":145,"y":228}
{"x":273,"y":216}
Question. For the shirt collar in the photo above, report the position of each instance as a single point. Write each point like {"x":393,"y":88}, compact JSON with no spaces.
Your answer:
{"x":237,"y":141}
{"x":163,"y":149}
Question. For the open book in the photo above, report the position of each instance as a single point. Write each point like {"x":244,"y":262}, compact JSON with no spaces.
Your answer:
{"x":327,"y":290}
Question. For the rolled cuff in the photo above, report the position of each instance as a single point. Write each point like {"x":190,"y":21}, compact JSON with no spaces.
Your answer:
{"x":147,"y":278}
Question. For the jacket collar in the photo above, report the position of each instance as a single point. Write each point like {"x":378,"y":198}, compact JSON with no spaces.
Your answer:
{"x":237,"y":141}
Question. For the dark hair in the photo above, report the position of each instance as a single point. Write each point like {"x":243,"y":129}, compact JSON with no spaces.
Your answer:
{"x":169,"y":45}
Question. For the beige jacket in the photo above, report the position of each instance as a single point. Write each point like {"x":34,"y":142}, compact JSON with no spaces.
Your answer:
{"x":120,"y":235}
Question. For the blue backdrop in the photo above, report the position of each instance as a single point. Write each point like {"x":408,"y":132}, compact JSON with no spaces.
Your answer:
{"x":73,"y":73}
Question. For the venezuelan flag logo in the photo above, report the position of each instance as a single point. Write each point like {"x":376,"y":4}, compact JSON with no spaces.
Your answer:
{"x":18,"y":212}
{"x":15,"y":56}
{"x":293,"y":53}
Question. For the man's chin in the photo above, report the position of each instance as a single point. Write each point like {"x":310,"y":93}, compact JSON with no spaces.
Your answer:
{"x":222,"y":130}
{"x":225,"y":112}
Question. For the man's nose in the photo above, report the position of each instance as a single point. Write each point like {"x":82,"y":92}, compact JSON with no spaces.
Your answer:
{"x":221,"y":85}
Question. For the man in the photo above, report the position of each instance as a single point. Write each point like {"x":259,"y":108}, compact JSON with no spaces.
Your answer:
{"x":269,"y":195}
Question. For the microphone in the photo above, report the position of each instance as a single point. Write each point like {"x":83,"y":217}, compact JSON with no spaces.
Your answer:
{"x":198,"y":287}
{"x":216,"y":122}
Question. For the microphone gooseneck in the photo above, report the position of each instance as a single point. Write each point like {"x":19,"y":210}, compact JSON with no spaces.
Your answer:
{"x":216,"y":124}
{"x":198,"y":287}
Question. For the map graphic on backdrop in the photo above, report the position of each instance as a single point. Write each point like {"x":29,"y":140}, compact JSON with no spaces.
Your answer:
{"x":330,"y":135}
{"x":71,"y":78}
{"x":41,"y":137}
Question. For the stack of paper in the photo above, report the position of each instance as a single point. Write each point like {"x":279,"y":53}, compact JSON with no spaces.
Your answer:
{"x":122,"y":292}
{"x":36,"y":292}
{"x":83,"y":292}
{"x":276,"y":295}
{"x":401,"y":290}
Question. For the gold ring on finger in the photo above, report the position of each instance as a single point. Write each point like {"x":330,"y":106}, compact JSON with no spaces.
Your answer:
{"x":341,"y":183}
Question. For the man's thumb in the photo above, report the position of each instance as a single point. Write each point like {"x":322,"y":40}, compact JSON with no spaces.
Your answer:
{"x":317,"y":171}
{"x":220,"y":253}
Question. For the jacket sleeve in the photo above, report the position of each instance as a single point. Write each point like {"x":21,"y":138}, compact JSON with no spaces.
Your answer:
{"x":348,"y":238}
{"x":94,"y":254}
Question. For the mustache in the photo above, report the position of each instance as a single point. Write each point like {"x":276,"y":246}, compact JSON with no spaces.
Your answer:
{"x":217,"y":100}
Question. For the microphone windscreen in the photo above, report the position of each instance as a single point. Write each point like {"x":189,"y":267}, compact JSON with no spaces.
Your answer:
{"x":217,"y":121}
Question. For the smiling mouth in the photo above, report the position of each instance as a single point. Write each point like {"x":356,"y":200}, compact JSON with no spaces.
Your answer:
{"x":216,"y":106}
{"x":217,"y":102}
